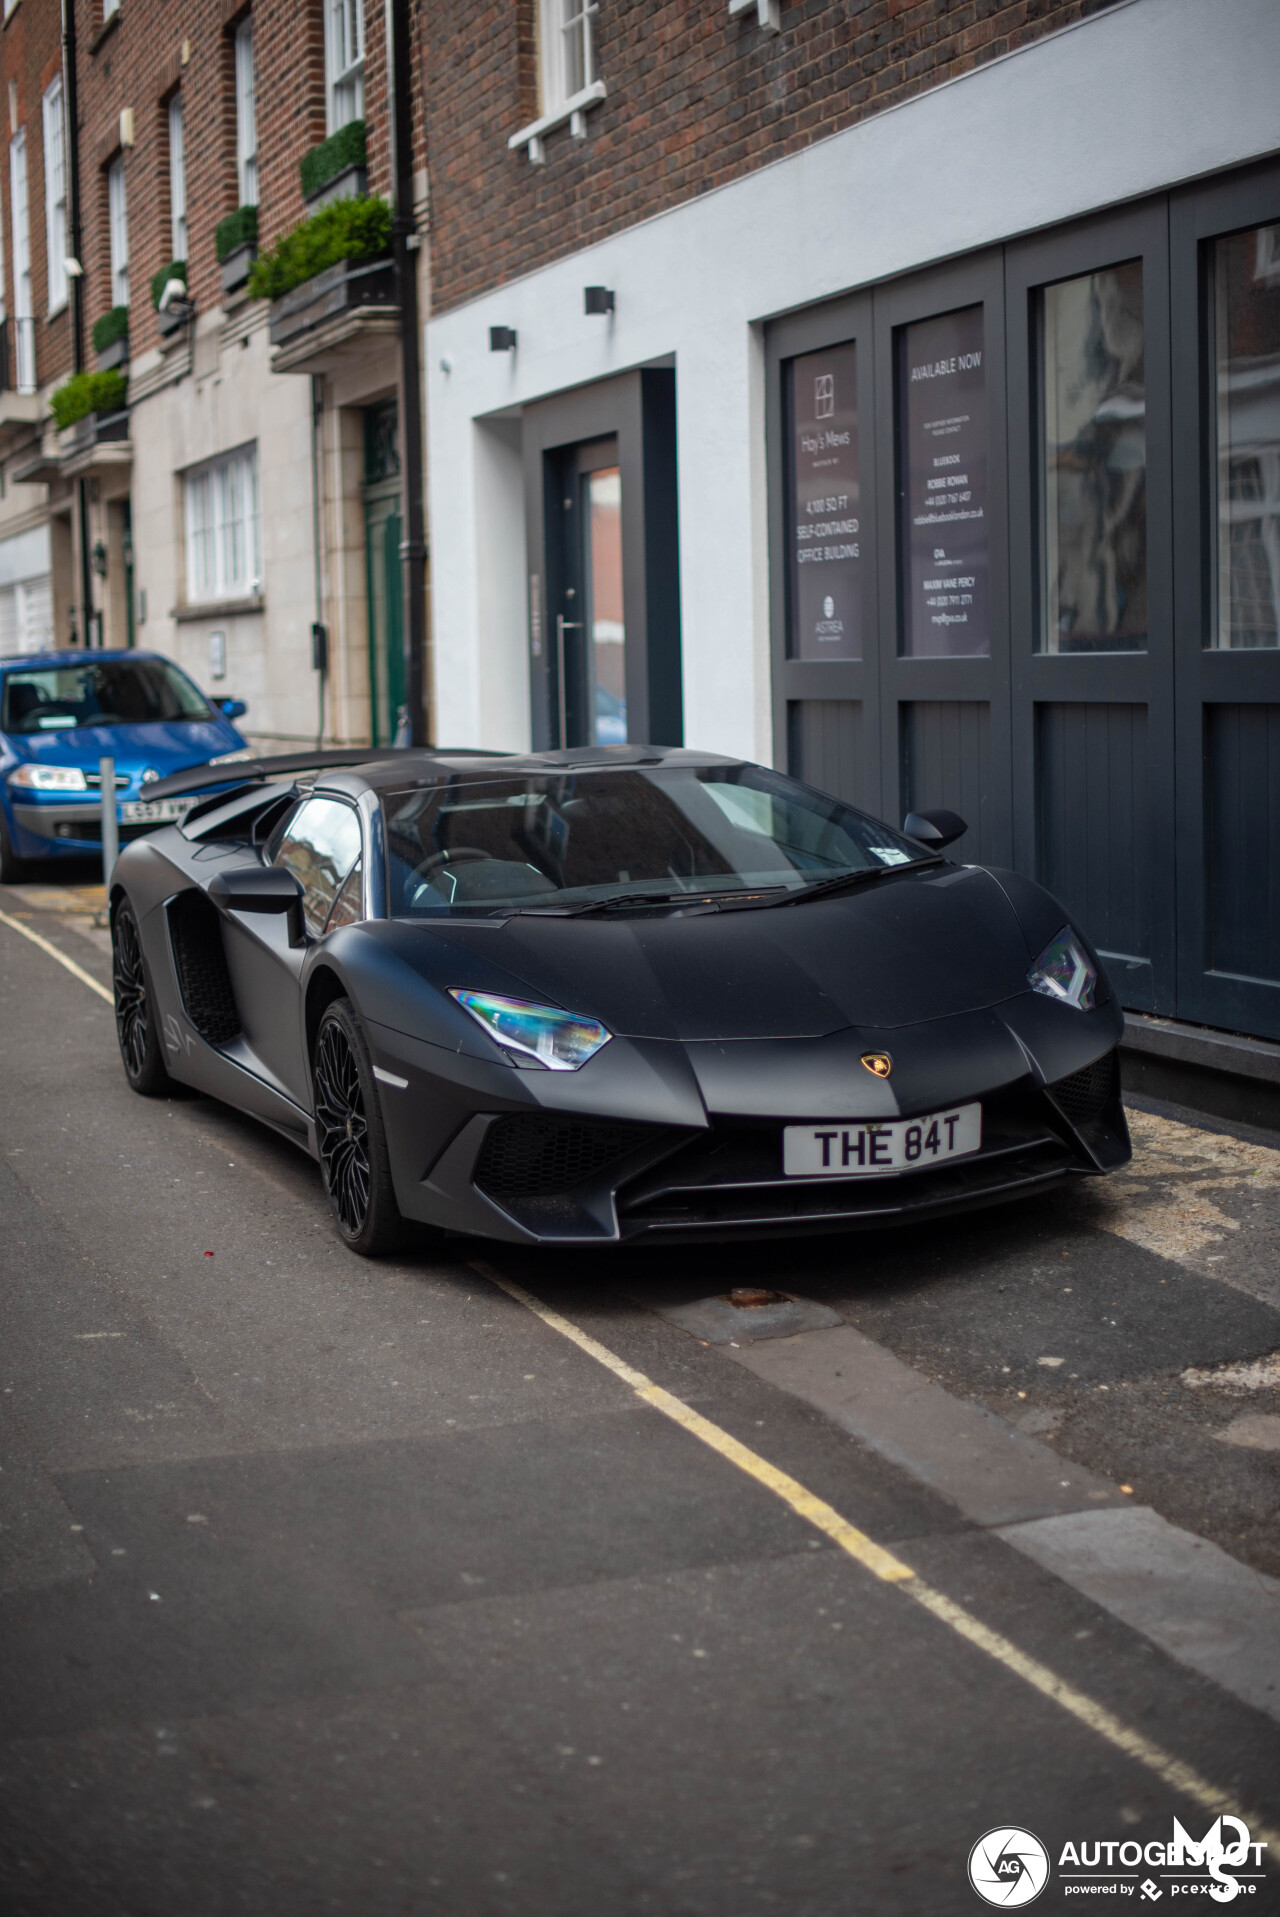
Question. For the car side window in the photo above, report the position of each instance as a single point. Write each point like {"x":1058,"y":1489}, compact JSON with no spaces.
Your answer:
{"x":348,"y":907}
{"x":320,"y":846}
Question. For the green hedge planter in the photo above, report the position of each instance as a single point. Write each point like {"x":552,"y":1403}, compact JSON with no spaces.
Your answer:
{"x":86,"y":393}
{"x":355,"y":230}
{"x":111,"y":327}
{"x":238,"y":229}
{"x":343,"y":149}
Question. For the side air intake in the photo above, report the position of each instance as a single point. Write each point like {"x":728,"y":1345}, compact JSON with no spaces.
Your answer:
{"x":195,"y":937}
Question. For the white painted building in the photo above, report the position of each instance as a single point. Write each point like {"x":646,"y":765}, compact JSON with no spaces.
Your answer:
{"x":1086,"y":207}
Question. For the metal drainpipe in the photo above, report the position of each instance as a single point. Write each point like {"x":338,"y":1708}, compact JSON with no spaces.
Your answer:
{"x":405,"y":237}
{"x":71,"y":135}
{"x":319,"y":635}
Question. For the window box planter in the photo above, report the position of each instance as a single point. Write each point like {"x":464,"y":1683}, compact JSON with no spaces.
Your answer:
{"x":351,"y":184}
{"x":331,"y":296}
{"x":117,"y":354}
{"x":235,"y":268}
{"x":95,"y":429}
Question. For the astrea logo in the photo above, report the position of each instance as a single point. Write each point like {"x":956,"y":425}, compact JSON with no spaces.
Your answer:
{"x":1008,"y":1867}
{"x":824,"y":396}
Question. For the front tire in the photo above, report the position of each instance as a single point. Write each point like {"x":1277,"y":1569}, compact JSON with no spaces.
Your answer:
{"x":352,"y":1138}
{"x":136,"y":1025}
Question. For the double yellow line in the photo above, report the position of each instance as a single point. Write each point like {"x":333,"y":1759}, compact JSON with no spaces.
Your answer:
{"x":891,"y":1569}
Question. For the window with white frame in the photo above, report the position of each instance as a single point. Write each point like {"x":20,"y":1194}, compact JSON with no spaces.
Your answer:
{"x":221,"y":513}
{"x":246,"y":123}
{"x":55,"y":195}
{"x":24,"y":325}
{"x":565,"y":51}
{"x":177,"y":180}
{"x":344,"y":62}
{"x":118,"y":217}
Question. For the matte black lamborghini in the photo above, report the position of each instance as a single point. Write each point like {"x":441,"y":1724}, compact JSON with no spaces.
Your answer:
{"x":610,"y":994}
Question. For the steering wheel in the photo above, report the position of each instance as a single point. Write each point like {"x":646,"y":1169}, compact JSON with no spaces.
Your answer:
{"x":464,"y":854}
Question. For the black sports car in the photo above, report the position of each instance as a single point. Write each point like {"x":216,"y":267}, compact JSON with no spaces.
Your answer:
{"x":610,"y":994}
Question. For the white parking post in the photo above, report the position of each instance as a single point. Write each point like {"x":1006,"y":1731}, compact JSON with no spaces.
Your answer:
{"x":110,"y":830}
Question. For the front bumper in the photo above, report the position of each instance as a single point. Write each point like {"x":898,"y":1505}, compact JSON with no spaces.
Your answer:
{"x":705,"y":1161}
{"x":43,"y":829}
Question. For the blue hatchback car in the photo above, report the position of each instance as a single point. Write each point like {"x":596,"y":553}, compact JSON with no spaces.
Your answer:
{"x":61,"y":712}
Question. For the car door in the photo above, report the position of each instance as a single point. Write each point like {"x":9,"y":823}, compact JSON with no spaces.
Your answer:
{"x":320,"y":844}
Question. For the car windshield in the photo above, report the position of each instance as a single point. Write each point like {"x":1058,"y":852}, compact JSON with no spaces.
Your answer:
{"x":579,"y":840}
{"x":107,"y":692}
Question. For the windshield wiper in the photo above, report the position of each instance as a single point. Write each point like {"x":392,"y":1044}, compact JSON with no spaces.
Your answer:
{"x":613,"y":900}
{"x":822,"y":886}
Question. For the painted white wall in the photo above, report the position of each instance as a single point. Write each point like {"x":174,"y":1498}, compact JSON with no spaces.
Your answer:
{"x":1129,"y":102}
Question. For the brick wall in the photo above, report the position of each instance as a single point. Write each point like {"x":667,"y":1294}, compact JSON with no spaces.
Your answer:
{"x":694,"y":99}
{"x":138,"y":59}
{"x":30,"y":56}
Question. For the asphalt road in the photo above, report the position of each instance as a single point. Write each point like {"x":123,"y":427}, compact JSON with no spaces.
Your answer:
{"x":329,"y":1586}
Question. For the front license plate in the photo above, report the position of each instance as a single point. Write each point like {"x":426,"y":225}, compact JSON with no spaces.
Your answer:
{"x":154,"y":811}
{"x":871,"y":1149}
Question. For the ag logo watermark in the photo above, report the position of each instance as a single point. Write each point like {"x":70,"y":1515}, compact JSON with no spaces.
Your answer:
{"x":1008,"y":1867}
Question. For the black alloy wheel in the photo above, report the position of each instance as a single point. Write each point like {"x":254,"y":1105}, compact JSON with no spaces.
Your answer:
{"x":351,"y":1137}
{"x":135,"y":1008}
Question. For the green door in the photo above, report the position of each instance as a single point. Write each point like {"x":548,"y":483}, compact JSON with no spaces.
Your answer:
{"x":383,"y":530}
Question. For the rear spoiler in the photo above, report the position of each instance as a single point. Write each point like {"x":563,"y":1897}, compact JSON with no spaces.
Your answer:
{"x":214,"y":773}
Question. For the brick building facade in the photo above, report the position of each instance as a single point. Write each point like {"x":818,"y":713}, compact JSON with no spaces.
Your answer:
{"x":694,"y":99}
{"x":890,"y":393}
{"x":245,"y":489}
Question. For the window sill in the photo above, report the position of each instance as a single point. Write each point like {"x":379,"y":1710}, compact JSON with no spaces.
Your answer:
{"x":105,"y":31}
{"x":573,"y":111}
{"x":9,"y":11}
{"x":767,"y":13}
{"x":218,"y":608}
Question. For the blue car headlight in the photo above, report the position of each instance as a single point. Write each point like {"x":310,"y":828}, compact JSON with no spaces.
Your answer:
{"x":558,"y":1039}
{"x":49,"y":778}
{"x":1063,"y":971}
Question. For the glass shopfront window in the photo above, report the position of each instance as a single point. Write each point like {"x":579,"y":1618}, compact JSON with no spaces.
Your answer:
{"x":825,"y":543}
{"x":1246,"y":391}
{"x":1094,"y":464}
{"x":942,"y":414}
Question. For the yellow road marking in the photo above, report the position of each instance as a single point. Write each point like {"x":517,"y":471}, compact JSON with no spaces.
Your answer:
{"x":76,"y":971}
{"x":891,"y":1569}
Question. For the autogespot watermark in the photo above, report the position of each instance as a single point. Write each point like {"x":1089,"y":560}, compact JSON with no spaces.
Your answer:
{"x":1009,"y":1867}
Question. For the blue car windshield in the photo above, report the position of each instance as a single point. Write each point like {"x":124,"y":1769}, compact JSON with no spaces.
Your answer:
{"x":574,"y":840}
{"x":110,"y":692}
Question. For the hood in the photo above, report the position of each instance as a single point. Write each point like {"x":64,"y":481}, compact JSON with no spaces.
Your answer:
{"x":907,"y":948}
{"x":167,"y":745}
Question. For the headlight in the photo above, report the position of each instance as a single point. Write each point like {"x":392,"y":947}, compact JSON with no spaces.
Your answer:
{"x":560,"y":1040}
{"x":49,"y":778}
{"x":1062,"y":971}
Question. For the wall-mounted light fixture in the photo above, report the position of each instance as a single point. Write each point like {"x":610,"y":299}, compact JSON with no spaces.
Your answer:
{"x":598,"y":299}
{"x":126,"y":126}
{"x":100,"y":559}
{"x":502,"y":339}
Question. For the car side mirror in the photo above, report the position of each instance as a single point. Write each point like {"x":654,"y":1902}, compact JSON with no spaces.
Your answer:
{"x":232,"y":708}
{"x":260,"y":888}
{"x":934,"y":829}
